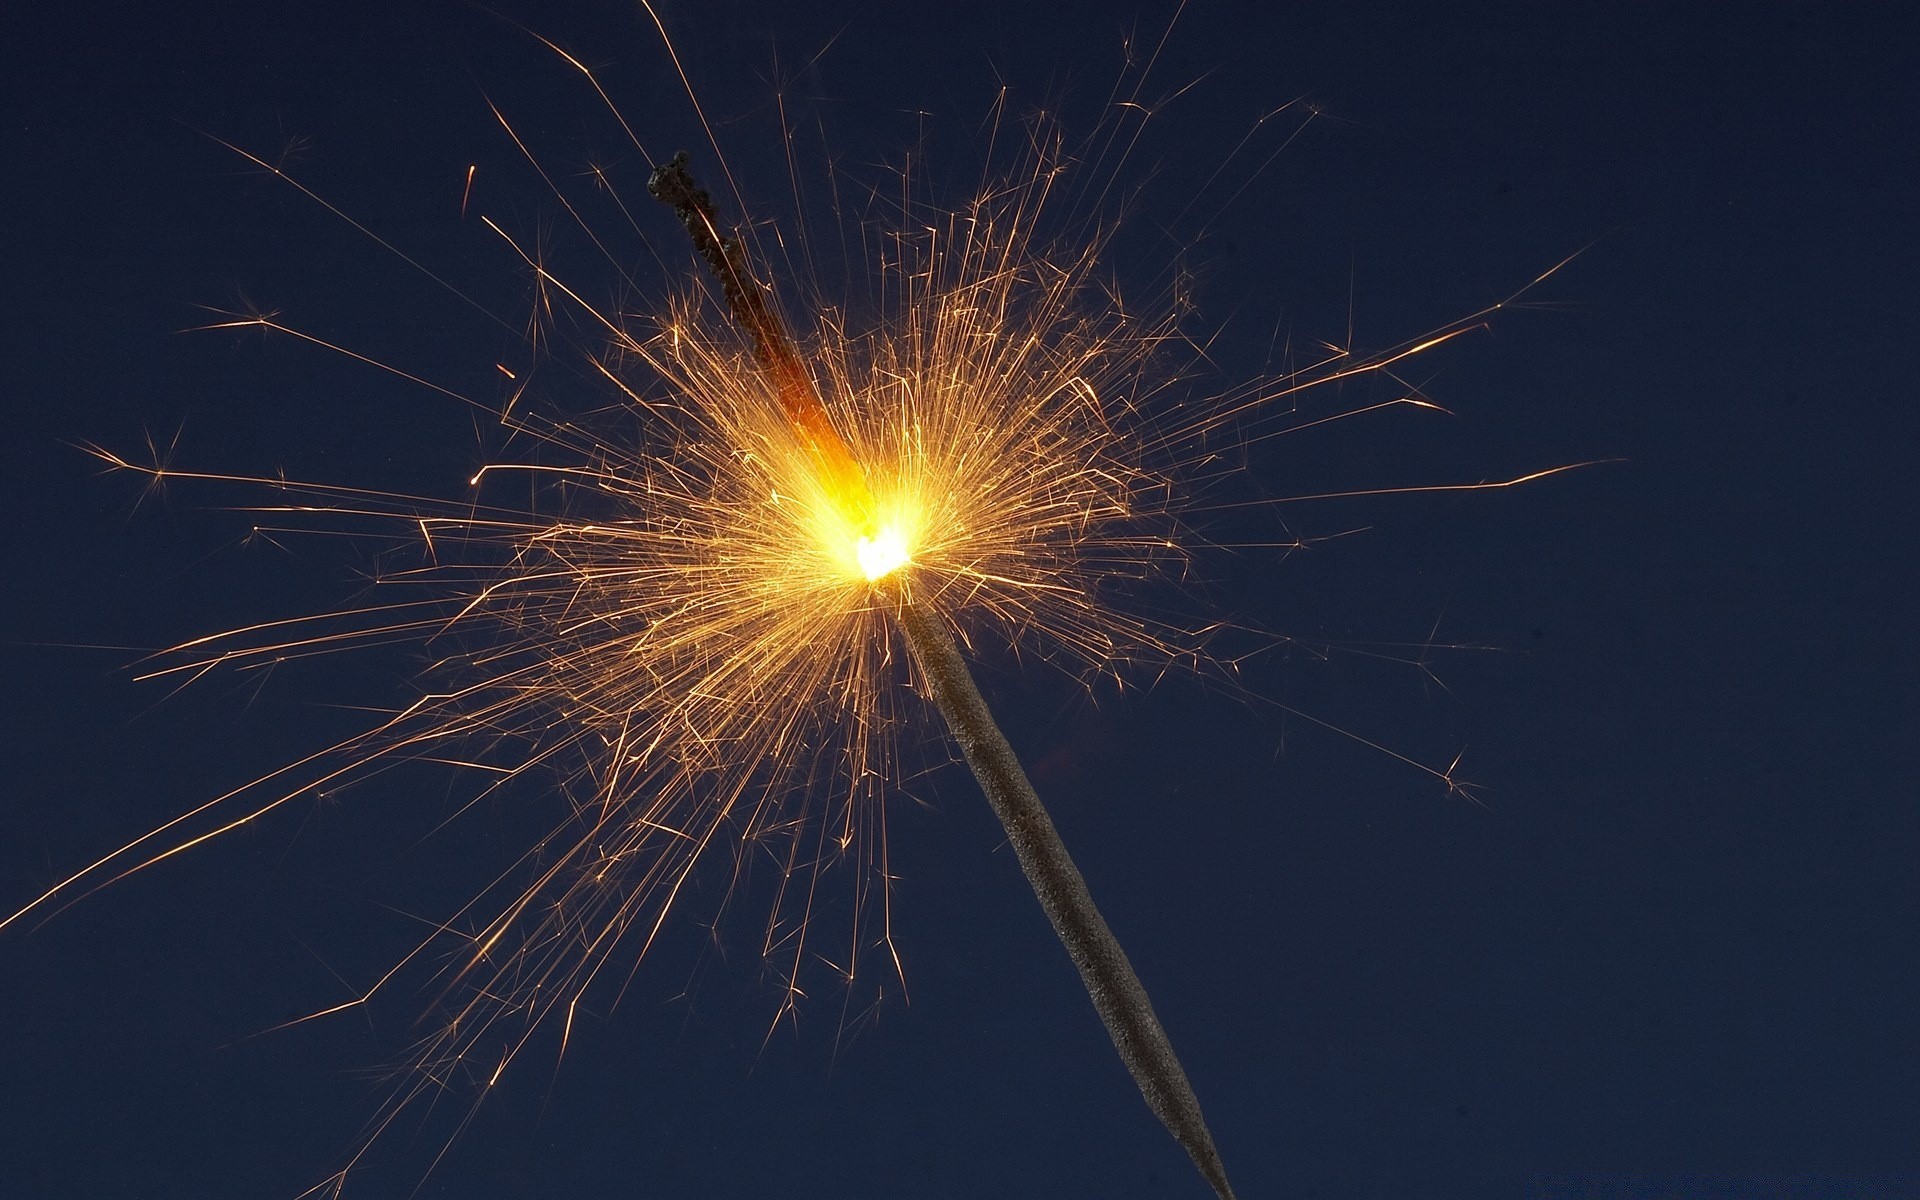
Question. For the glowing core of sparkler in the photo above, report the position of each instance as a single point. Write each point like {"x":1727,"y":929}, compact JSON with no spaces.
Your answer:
{"x":882,"y":552}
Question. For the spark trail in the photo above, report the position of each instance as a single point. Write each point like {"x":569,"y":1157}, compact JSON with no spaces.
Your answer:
{"x":1117,"y":993}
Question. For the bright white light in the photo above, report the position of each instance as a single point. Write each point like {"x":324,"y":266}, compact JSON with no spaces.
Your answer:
{"x":881,"y":553}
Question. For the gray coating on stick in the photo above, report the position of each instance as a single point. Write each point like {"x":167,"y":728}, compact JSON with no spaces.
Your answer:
{"x":1117,"y":993}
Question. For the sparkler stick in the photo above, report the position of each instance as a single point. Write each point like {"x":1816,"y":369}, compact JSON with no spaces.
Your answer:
{"x":673,"y":184}
{"x":1117,"y":993}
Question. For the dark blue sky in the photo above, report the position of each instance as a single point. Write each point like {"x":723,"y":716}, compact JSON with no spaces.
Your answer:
{"x":1667,"y":951}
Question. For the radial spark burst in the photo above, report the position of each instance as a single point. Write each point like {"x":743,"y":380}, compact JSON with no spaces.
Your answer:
{"x":686,"y":634}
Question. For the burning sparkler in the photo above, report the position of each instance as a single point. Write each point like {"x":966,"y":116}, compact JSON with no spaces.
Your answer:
{"x":1116,"y":990}
{"x":692,"y":635}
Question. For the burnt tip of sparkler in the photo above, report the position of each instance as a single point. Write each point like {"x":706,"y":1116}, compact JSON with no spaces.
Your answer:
{"x":673,"y":184}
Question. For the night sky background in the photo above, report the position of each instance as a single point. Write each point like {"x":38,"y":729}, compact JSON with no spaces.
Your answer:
{"x":1670,"y":955}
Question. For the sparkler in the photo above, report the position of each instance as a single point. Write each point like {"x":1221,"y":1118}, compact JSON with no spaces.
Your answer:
{"x":690,"y":636}
{"x":1115,"y":988}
